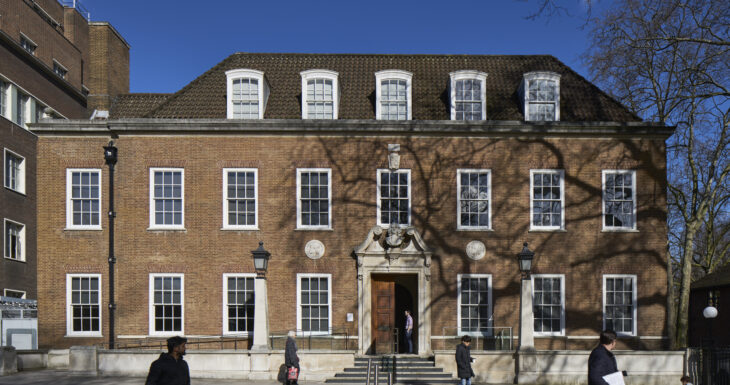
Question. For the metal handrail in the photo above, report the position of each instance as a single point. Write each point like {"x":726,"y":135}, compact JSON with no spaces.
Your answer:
{"x":332,"y":335}
{"x":76,"y":4}
{"x":370,"y":362}
{"x":499,"y":336}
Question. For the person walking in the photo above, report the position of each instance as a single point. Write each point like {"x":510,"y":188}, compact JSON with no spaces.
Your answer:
{"x":463,"y":361}
{"x":409,"y":331}
{"x":602,"y":362}
{"x":291,"y":359}
{"x":170,"y":368}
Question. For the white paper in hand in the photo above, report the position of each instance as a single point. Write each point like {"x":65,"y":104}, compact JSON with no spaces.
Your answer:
{"x":614,"y":378}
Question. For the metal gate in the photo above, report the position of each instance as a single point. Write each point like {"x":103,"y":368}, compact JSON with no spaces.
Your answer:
{"x":709,"y":366}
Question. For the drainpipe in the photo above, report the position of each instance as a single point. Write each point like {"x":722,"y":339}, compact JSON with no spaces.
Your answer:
{"x":110,"y":157}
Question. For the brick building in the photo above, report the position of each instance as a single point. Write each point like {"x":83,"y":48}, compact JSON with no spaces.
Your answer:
{"x":49,"y":62}
{"x":378,"y":183}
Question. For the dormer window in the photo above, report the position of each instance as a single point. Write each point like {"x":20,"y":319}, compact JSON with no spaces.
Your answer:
{"x":393,"y":94}
{"x":320,"y":94}
{"x":468,"y":95}
{"x":541,"y":93}
{"x":248,"y":92}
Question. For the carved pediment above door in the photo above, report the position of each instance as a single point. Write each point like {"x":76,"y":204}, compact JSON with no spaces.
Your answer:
{"x":393,"y":246}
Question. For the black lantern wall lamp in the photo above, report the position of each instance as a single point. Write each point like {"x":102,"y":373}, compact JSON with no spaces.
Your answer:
{"x":525,"y":260}
{"x":110,"y":158}
{"x":260,"y":260}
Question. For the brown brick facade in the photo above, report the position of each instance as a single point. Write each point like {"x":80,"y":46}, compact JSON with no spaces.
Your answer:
{"x":203,"y":252}
{"x":20,"y":208}
{"x":109,"y":66}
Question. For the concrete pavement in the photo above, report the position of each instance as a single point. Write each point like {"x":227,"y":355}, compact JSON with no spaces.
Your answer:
{"x":62,"y":377}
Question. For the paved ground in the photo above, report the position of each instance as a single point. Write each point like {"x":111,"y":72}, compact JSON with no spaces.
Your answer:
{"x":61,"y":377}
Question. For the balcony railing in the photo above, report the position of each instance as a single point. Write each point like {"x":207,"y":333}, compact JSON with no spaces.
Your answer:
{"x":76,"y":4}
{"x":497,"y":338}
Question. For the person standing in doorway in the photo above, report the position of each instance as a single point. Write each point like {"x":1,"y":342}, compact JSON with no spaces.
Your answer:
{"x":463,"y":361}
{"x":409,"y":331}
{"x":170,"y":368}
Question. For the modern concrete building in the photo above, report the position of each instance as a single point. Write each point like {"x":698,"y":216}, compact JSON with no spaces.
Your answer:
{"x":51,"y":58}
{"x":378,"y":183}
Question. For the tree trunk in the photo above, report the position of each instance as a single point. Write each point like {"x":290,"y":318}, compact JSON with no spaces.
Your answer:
{"x":683,"y":313}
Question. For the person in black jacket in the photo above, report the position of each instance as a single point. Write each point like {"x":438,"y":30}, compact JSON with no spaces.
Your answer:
{"x":291,"y":359}
{"x":170,"y":368}
{"x":463,"y":361}
{"x":602,"y":362}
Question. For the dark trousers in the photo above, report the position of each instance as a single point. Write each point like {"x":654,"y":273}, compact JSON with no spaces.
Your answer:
{"x":409,"y":340}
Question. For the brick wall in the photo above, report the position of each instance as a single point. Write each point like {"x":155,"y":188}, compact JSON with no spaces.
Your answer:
{"x":20,"y":17}
{"x":19,"y":208}
{"x":109,"y":66}
{"x":203,"y":252}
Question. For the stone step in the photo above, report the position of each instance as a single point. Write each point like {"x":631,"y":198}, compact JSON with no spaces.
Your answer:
{"x":384,"y":381}
{"x":397,"y":375}
{"x":399,"y":369}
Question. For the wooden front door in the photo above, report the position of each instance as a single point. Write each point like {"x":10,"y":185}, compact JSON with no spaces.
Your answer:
{"x":383,"y":308}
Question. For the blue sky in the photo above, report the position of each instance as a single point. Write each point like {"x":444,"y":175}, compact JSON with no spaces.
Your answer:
{"x":173,"y":42}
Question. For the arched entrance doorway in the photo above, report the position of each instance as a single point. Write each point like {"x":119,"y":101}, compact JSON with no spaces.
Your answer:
{"x":394,"y":272}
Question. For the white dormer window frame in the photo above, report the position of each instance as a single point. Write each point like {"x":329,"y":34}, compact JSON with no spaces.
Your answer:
{"x":322,"y":75}
{"x":475,"y":76}
{"x":393,"y":75}
{"x":525,"y":94}
{"x":263,"y":89}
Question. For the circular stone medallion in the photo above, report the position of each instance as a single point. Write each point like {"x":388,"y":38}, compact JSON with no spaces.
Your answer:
{"x":475,"y":250}
{"x":315,"y":249}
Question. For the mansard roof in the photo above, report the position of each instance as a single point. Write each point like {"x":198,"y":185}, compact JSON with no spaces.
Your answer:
{"x":205,"y":97}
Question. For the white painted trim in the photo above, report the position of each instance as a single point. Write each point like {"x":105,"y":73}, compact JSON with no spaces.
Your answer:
{"x":538,"y":75}
{"x":300,"y":332}
{"x":380,"y":76}
{"x":151,"y":302}
{"x":410,"y":196}
{"x":25,"y":37}
{"x":69,"y":205}
{"x":56,"y":62}
{"x":243,"y":73}
{"x":633,"y":200}
{"x":562,"y":304}
{"x":458,"y":304}
{"x":69,"y":313}
{"x":633,"y":295}
{"x":467,"y":75}
{"x":314,"y":74}
{"x":153,"y":225}
{"x":5,"y":293}
{"x":226,"y":225}
{"x":8,"y":83}
{"x":459,"y":171}
{"x":21,"y":235}
{"x":562,"y":199}
{"x":227,"y":332}
{"x":21,"y":177}
{"x":300,"y":226}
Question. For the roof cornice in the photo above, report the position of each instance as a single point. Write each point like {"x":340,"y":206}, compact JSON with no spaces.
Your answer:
{"x":350,"y":127}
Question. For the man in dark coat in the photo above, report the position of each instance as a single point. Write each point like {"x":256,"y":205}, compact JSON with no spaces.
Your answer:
{"x":170,"y":368}
{"x":291,"y":359}
{"x":601,"y":361}
{"x":463,"y":361}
